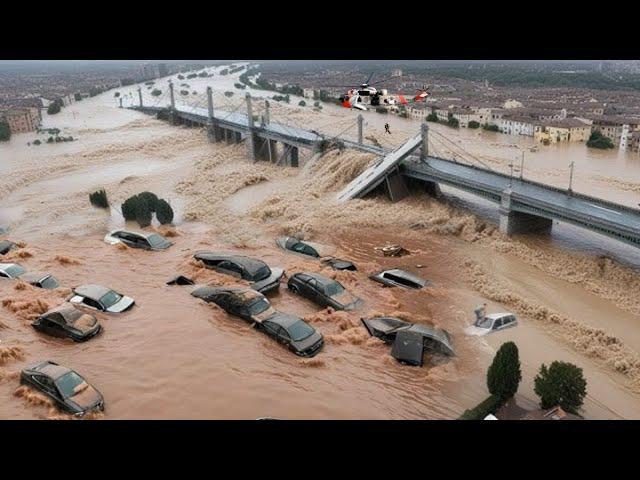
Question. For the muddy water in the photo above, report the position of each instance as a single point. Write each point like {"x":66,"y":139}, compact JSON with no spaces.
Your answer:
{"x":175,"y":357}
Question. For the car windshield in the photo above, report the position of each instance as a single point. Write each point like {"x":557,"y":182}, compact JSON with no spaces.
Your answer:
{"x":156,"y":240}
{"x":333,"y":289}
{"x":49,"y":282}
{"x":15,"y":271}
{"x":299,"y":331}
{"x":68,"y":383}
{"x":484,"y":322}
{"x":258,"y":307}
{"x":262,"y":273}
{"x":109,"y":299}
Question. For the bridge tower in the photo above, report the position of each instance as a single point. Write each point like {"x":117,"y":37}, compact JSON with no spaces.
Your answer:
{"x":432,"y":188}
{"x":214,"y":132}
{"x":140,"y":96}
{"x":173,"y":117}
{"x":360,"y":128}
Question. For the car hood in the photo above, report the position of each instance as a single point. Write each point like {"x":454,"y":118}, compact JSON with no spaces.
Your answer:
{"x":476,"y":331}
{"x":162,"y":245}
{"x":86,"y":397}
{"x":124,"y":304}
{"x":276,"y":275}
{"x":85,"y":323}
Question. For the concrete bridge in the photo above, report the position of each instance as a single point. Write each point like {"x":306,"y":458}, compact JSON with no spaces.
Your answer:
{"x":524,"y":205}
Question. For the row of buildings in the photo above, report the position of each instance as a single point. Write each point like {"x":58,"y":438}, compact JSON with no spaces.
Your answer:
{"x":545,"y":125}
{"x":26,"y":119}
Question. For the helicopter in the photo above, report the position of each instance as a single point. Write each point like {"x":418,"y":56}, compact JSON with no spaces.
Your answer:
{"x":367,"y":95}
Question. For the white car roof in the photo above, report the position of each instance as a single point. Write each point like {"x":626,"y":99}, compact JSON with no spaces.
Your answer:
{"x":4,"y":266}
{"x":495,"y":316}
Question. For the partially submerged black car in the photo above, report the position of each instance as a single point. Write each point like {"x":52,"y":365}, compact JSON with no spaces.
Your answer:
{"x":338,"y":264}
{"x":67,"y":321}
{"x":144,"y":240}
{"x":5,"y":246}
{"x":432,"y":339}
{"x":300,"y":337}
{"x":263,"y":278}
{"x":399,"y":278}
{"x":297,"y":246}
{"x":65,"y":387}
{"x":322,"y":291}
{"x":40,"y":280}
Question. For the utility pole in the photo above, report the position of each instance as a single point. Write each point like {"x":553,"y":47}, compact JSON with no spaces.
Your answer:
{"x":511,"y":175}
{"x":571,"y":177}
{"x":424,"y":130}
{"x":360,"y":128}
{"x":140,"y":95}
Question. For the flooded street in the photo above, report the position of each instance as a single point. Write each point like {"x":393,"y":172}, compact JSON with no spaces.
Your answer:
{"x":173,"y":356}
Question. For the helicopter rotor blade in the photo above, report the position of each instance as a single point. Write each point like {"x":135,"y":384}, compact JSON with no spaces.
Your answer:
{"x":369,"y":79}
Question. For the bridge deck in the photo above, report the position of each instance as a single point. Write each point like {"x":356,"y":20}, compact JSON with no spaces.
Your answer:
{"x":581,"y":207}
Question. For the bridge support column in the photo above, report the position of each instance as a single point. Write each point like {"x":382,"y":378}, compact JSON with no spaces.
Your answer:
{"x":512,"y":222}
{"x":237,"y":137}
{"x":360,"y":128}
{"x":396,"y":186}
{"x":432,"y":188}
{"x":140,"y":95}
{"x":293,"y":157}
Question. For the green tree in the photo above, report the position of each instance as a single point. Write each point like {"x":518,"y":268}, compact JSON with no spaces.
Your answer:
{"x":503,"y":376}
{"x":164,"y":212}
{"x":563,"y":384}
{"x":432,"y":117}
{"x":37,"y":142}
{"x":453,"y":122}
{"x":129,"y":207}
{"x":491,"y":127}
{"x":50,"y":140}
{"x":53,"y":108}
{"x":5,"y":132}
{"x":143,"y":214}
{"x":150,"y":199}
{"x":474,"y":124}
{"x":302,"y":103}
{"x":156,"y":93}
{"x":598,"y":140}
{"x":228,"y":94}
{"x":99,"y":199}
{"x":117,"y":94}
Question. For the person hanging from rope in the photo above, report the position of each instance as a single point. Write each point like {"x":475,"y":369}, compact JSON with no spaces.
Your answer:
{"x":386,"y":128}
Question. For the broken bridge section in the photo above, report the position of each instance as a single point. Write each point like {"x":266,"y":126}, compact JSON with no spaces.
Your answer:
{"x":385,"y":170}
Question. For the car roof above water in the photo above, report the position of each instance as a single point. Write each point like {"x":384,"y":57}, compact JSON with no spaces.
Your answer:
{"x":141,"y":234}
{"x":321,"y":279}
{"x":251,"y":265}
{"x":95,"y":292}
{"x":51,"y":369}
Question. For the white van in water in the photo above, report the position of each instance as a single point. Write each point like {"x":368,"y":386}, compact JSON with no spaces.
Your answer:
{"x":491,"y":323}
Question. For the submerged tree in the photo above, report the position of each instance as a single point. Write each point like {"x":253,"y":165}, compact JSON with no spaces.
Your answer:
{"x":99,"y":199}
{"x":164,"y":212}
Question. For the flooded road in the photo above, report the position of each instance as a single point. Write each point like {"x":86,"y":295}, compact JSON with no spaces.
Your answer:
{"x":172,"y":356}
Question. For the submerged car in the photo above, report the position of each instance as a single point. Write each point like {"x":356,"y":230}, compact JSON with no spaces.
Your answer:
{"x":297,"y":246}
{"x":248,"y":304}
{"x":67,"y":321}
{"x":66,"y":388}
{"x":263,"y":278}
{"x":101,"y":298}
{"x":5,"y":246}
{"x":147,"y":241}
{"x":492,"y":323}
{"x":339,"y":264}
{"x":323,"y":291}
{"x":387,"y":329}
{"x":399,"y":278}
{"x":40,"y":280}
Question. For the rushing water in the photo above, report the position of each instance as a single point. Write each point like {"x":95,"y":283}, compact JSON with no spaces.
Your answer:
{"x":173,"y":356}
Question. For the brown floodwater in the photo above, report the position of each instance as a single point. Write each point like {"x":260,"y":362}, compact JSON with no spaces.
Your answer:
{"x":173,"y":356}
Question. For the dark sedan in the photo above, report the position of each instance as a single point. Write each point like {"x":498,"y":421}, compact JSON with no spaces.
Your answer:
{"x":67,"y":321}
{"x":65,"y":387}
{"x":5,"y":246}
{"x":300,"y":337}
{"x":262,"y":278}
{"x":144,"y":240}
{"x":323,"y":291}
{"x":40,"y":280}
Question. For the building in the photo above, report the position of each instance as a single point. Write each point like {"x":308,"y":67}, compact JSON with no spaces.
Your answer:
{"x":635,"y":142}
{"x":566,"y":130}
{"x":516,"y":125}
{"x":511,"y":411}
{"x":309,"y":93}
{"x":616,"y":127}
{"x":22,"y":120}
